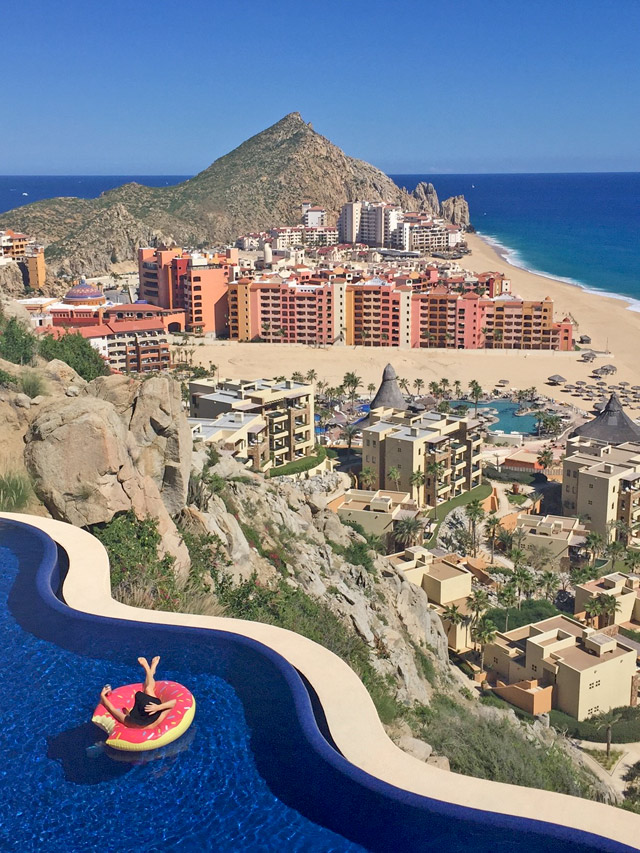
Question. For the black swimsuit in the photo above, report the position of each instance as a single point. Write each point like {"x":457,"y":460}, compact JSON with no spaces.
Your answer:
{"x":138,"y":716}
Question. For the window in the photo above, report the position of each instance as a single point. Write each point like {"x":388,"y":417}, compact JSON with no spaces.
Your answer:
{"x":590,"y":503}
{"x":534,"y":668}
{"x":594,"y":684}
{"x":590,"y":485}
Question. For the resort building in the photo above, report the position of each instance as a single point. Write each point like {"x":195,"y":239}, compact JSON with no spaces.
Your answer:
{"x":559,"y":535}
{"x":314,"y":217}
{"x":625,"y":589}
{"x":243,"y":435}
{"x":286,"y":407}
{"x":601,"y":472}
{"x":13,"y":244}
{"x":395,"y":444}
{"x":190,"y":281}
{"x":558,"y":663}
{"x":448,"y":582}
{"x":376,"y":511}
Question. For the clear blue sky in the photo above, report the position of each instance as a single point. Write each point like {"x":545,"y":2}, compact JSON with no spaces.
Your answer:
{"x":159,"y":87}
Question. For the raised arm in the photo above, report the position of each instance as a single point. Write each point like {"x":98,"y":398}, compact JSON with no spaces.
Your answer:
{"x":152,"y":708}
{"x":111,"y":708}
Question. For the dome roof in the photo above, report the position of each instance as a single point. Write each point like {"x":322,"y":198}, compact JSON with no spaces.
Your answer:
{"x":389,"y":394}
{"x":611,"y":425}
{"x":83,"y":292}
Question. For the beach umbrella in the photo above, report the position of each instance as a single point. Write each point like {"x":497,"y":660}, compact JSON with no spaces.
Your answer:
{"x":581,"y":382}
{"x":623,"y":383}
{"x":502,"y":382}
{"x":556,"y":379}
{"x":609,"y":368}
{"x":602,"y":382}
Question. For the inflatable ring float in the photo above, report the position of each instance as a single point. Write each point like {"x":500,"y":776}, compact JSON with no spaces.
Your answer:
{"x":133,"y":739}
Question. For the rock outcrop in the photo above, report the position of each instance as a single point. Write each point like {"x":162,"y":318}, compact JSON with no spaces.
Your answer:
{"x":456,"y":210}
{"x":257,"y":186}
{"x":11,"y":281}
{"x":427,"y":198}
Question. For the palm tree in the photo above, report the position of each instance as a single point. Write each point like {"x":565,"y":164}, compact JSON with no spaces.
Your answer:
{"x":418,"y":384}
{"x":504,"y":539}
{"x":594,"y":543}
{"x":371,"y":388}
{"x":545,"y":459}
{"x":475,"y":513}
{"x":477,"y":603}
{"x":491,"y":528}
{"x":296,"y":376}
{"x":435,"y":389}
{"x":484,"y":633}
{"x":507,"y":599}
{"x":444,"y":386}
{"x":522,"y":579}
{"x":408,"y":531}
{"x":349,"y":432}
{"x":417,"y":479}
{"x":550,"y":584}
{"x":453,"y":616}
{"x":311,"y":376}
{"x":436,"y":470}
{"x":632,"y":561}
{"x":367,"y":477}
{"x":475,"y":390}
{"x":394,"y":474}
{"x":351,"y":382}
{"x":457,"y":387}
{"x":610,"y":606}
{"x":615,"y":551}
{"x":404,"y":385}
{"x":593,"y":608}
{"x":444,"y":406}
{"x":608,"y":722}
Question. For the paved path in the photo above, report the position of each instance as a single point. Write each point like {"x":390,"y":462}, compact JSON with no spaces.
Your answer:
{"x":630,"y":755}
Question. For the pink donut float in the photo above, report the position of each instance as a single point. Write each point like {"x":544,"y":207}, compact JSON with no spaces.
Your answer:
{"x":132,"y":739}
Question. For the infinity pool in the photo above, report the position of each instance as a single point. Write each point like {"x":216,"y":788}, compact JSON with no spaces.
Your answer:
{"x":253,"y":774}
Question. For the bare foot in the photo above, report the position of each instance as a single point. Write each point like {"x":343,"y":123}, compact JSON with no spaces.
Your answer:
{"x":143,"y":663}
{"x":154,"y":663}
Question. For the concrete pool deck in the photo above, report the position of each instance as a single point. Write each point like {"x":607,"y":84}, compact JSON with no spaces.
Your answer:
{"x":350,"y":713}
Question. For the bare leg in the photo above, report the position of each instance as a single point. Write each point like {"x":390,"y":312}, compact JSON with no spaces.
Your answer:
{"x":149,"y":686}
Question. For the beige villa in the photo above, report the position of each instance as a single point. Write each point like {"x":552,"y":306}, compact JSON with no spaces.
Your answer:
{"x":562,"y":536}
{"x":624,"y":588}
{"x":447,"y":580}
{"x":558,"y":663}
{"x":376,"y":511}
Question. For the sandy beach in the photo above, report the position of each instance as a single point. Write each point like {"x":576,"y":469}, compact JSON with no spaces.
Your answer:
{"x":608,"y":322}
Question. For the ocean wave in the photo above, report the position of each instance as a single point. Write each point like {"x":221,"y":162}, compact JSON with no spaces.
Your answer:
{"x":513,"y":257}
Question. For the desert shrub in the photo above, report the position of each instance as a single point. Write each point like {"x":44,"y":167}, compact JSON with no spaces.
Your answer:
{"x":497,"y":750}
{"x":32,"y":384}
{"x":75,"y":351}
{"x":531,"y":610}
{"x":15,"y":491}
{"x":356,"y":553}
{"x":17,"y":344}
{"x":7,"y":380}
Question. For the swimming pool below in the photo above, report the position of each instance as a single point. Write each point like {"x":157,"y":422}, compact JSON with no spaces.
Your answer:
{"x":253,"y":773}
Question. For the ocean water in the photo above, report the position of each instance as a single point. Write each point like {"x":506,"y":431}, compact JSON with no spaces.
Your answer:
{"x":16,"y":190}
{"x":581,"y":228}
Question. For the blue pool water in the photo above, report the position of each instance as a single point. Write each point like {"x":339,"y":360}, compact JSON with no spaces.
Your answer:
{"x":254,"y":773}
{"x":508,"y":421}
{"x":208,"y":797}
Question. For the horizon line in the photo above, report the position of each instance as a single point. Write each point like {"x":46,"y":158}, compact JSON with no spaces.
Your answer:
{"x":388,"y":173}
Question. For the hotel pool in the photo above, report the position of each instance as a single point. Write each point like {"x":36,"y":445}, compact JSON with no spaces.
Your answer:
{"x":252,"y":774}
{"x":508,"y":421}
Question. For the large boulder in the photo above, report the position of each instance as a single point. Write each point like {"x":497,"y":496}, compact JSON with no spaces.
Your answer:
{"x":159,"y":437}
{"x":78,"y":454}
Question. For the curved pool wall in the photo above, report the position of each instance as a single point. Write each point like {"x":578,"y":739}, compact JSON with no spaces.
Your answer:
{"x":429,"y":808}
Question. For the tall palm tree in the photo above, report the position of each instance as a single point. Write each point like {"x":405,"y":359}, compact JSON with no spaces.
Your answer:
{"x":418,"y":384}
{"x":610,"y":606}
{"x":504,"y":539}
{"x":408,"y":531}
{"x":435,"y":389}
{"x":632,"y":561}
{"x":608,"y":722}
{"x":594,"y":543}
{"x":475,"y":390}
{"x":475,"y":513}
{"x":550,"y":584}
{"x":593,"y":608}
{"x":491,"y":528}
{"x":453,"y":616}
{"x":367,"y":477}
{"x":477,"y":602}
{"x":436,"y":470}
{"x":311,"y":375}
{"x":371,"y":388}
{"x":394,"y":474}
{"x":615,"y":551}
{"x":417,"y":480}
{"x":404,"y":385}
{"x":457,"y":388}
{"x":484,"y":633}
{"x":349,"y":432}
{"x":351,"y":382}
{"x":507,"y":599}
{"x":444,"y":386}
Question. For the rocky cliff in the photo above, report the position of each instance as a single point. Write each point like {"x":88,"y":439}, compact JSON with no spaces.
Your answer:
{"x":256,"y":186}
{"x":456,"y":210}
{"x":11,"y":281}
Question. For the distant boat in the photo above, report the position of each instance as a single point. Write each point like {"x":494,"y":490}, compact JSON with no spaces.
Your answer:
{"x":25,"y":193}
{"x":473,"y":186}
